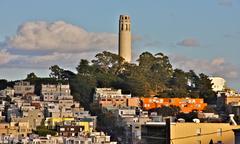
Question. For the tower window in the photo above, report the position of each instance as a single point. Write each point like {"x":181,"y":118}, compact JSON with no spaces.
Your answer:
{"x":125,"y":17}
{"x":126,"y":27}
{"x":122,"y":27}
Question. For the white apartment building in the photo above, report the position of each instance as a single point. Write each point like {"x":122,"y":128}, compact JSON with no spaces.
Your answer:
{"x":102,"y":93}
{"x":51,"y":92}
{"x":23,"y":87}
{"x":218,"y":83}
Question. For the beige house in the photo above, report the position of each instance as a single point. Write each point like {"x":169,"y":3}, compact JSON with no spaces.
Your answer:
{"x":188,"y":133}
{"x":15,"y":129}
{"x":33,"y":117}
{"x":23,"y":87}
{"x":51,"y":92}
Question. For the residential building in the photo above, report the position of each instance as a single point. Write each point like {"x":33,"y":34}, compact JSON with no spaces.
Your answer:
{"x":218,"y":84}
{"x":186,"y":105}
{"x":51,"y":92}
{"x":34,"y":117}
{"x":188,"y":133}
{"x":22,"y":88}
{"x":52,"y":110}
{"x":12,"y":112}
{"x":109,"y":93}
{"x":52,"y":122}
{"x":70,"y":130}
{"x":7,"y":92}
{"x":15,"y":129}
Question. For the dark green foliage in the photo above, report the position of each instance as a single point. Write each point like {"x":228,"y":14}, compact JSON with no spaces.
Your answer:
{"x":57,"y":72}
{"x":82,"y":88}
{"x":205,"y":90}
{"x":3,"y":84}
{"x":210,"y":109}
{"x":43,"y":131}
{"x":31,"y":76}
{"x":167,"y":111}
{"x":188,"y":117}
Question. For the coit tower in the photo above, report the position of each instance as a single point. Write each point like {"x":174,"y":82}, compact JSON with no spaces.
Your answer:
{"x":124,"y":42}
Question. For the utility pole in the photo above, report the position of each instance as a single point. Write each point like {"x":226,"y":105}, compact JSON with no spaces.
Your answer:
{"x":168,"y":131}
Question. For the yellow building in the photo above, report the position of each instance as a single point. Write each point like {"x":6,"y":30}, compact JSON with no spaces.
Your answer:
{"x":188,"y":133}
{"x":52,"y":122}
{"x":87,"y":123}
{"x":88,"y":126}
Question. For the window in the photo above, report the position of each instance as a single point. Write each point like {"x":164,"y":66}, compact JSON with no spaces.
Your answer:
{"x":219,"y":132}
{"x":198,"y":131}
{"x":72,"y":129}
{"x":62,"y":129}
{"x":198,"y":142}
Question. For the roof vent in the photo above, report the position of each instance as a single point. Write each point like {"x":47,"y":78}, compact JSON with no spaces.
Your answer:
{"x":196,"y":120}
{"x":232,"y":119}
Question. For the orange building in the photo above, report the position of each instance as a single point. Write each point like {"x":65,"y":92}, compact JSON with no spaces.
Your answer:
{"x":116,"y":102}
{"x":186,"y":105}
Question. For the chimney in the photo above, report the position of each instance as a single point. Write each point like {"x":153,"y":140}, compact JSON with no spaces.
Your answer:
{"x":232,"y":119}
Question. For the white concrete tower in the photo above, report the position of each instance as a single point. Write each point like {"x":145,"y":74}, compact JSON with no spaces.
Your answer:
{"x":125,"y":42}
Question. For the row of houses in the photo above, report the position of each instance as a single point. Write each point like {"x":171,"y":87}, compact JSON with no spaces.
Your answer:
{"x":107,"y":97}
{"x":24,"y":113}
{"x":141,"y":126}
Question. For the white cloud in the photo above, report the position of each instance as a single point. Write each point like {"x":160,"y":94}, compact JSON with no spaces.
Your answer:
{"x":218,"y":61}
{"x":189,"y":42}
{"x":61,"y":37}
{"x":66,"y":60}
{"x":42,"y":44}
{"x":214,"y":67}
{"x":5,"y":56}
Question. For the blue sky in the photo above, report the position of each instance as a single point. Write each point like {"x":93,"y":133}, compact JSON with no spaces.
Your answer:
{"x":201,"y":35}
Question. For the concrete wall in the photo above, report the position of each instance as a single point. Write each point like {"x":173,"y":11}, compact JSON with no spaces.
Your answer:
{"x":193,"y":133}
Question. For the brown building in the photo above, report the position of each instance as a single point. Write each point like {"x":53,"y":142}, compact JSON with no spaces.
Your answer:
{"x":15,"y":129}
{"x":69,"y":130}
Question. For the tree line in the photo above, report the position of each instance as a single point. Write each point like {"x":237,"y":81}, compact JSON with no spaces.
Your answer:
{"x":152,"y":75}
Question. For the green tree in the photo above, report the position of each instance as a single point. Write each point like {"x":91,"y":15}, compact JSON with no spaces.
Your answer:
{"x":56,"y":72}
{"x":193,"y":84}
{"x":3,"y":84}
{"x":30,"y":76}
{"x":156,"y":71}
{"x":205,"y":89}
{"x":178,"y":84}
{"x":108,"y":62}
{"x":44,"y":131}
{"x":167,"y":111}
{"x":84,"y":68}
